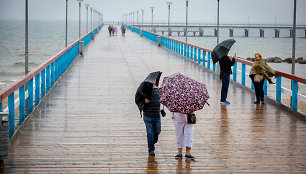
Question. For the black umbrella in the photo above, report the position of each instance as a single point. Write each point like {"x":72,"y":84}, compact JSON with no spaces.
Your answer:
{"x":221,"y":49}
{"x":145,"y":89}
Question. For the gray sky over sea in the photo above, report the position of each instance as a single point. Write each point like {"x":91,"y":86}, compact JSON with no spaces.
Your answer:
{"x":200,"y":11}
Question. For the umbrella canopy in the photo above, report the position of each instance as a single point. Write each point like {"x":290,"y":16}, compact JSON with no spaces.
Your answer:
{"x":221,"y":49}
{"x":182,"y":94}
{"x":145,"y":89}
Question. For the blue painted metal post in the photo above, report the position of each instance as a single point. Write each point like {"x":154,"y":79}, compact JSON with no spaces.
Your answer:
{"x":188,"y":51}
{"x":243,"y":75}
{"x":21,"y":104}
{"x":252,"y":86}
{"x":199,"y":56}
{"x":265,"y":88}
{"x":214,"y":67}
{"x":37,"y":89}
{"x":235,"y":72}
{"x":195,"y":55}
{"x":11,"y":107}
{"x":52,"y":74}
{"x":172,"y":45}
{"x":204,"y":55}
{"x":279,"y":88}
{"x":185,"y":50}
{"x":43,"y":83}
{"x":181,"y":50}
{"x":191,"y":53}
{"x":30,"y":96}
{"x":294,"y":101}
{"x":208,"y":60}
{"x":1,"y":106}
{"x":48,"y":77}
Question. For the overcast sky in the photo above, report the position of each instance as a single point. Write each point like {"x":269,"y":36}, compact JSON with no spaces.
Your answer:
{"x":200,"y":11}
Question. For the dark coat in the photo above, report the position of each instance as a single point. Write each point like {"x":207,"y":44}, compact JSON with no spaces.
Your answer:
{"x":145,"y":89}
{"x":225,"y":66}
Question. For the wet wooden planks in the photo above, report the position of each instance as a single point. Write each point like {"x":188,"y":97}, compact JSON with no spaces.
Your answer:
{"x":90,"y":123}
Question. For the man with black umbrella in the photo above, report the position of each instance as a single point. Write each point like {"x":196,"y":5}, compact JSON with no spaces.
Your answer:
{"x":225,"y":71}
{"x":220,"y":53}
{"x":147,"y":99}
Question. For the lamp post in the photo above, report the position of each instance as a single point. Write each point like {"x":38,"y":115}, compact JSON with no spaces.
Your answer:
{"x":218,"y":24}
{"x":152,"y":9}
{"x":66,"y":33}
{"x":142,"y":12}
{"x":293,"y":39}
{"x":80,"y":2}
{"x":186,"y":18}
{"x":137,"y":17}
{"x":169,"y":5}
{"x":91,"y":9}
{"x":86,"y":5}
{"x":26,"y":51}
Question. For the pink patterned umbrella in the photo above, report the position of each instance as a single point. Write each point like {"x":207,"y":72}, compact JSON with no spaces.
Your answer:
{"x":182,"y":94}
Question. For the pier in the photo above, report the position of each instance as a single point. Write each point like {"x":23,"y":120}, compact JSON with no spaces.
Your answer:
{"x":81,"y":116}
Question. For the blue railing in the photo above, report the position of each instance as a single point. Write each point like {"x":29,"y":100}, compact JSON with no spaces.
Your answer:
{"x":44,"y":77}
{"x":202,"y":56}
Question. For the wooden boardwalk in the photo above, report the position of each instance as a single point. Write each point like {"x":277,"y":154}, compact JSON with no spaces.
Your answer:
{"x":90,"y":123}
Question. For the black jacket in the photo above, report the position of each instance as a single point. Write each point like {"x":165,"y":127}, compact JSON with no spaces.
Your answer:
{"x":225,"y":66}
{"x":145,"y":89}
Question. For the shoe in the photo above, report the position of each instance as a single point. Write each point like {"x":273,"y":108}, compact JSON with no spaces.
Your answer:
{"x":178,"y":156}
{"x":225,"y":102}
{"x":189,"y":157}
{"x":152,"y":153}
{"x":262,"y":102}
{"x":256,"y":102}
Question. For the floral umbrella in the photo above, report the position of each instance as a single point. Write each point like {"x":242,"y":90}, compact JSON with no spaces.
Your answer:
{"x":182,"y":94}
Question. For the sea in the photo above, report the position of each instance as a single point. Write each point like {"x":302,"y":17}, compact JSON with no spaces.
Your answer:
{"x":46,"y":38}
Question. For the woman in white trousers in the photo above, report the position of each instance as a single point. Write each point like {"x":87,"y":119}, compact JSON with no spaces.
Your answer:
{"x":184,"y":135}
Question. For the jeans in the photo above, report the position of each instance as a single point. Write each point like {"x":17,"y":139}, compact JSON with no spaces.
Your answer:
{"x":225,"y":84}
{"x":153,"y":127}
{"x":259,"y":92}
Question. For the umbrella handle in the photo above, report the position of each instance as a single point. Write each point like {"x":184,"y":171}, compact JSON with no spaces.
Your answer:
{"x":207,"y":104}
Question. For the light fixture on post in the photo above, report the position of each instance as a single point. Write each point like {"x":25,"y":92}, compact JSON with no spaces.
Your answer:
{"x":80,"y":3}
{"x":91,"y":9}
{"x":142,"y":12}
{"x":137,"y":18}
{"x":152,"y":9}
{"x":186,"y":19}
{"x":169,"y":5}
{"x":86,"y":5}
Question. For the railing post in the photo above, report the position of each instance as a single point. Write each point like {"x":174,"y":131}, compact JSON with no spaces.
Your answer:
{"x":188,"y":51}
{"x":52,"y":74}
{"x":199,"y":56}
{"x":43,"y":82}
{"x":252,"y":86}
{"x":279,"y":88}
{"x":11,"y":107}
{"x":37,"y":89}
{"x":214,"y":67}
{"x":243,"y":75}
{"x":191,"y":52}
{"x":265,"y":88}
{"x":1,"y":106}
{"x":294,"y":101}
{"x":30,"y":96}
{"x":204,"y":55}
{"x":208,"y":60}
{"x":235,"y":72}
{"x":48,"y":78}
{"x":21,"y":104}
{"x":195,"y":55}
{"x":185,"y":50}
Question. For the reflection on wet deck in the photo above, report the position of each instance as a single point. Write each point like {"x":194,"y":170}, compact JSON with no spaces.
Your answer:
{"x":90,"y":123}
